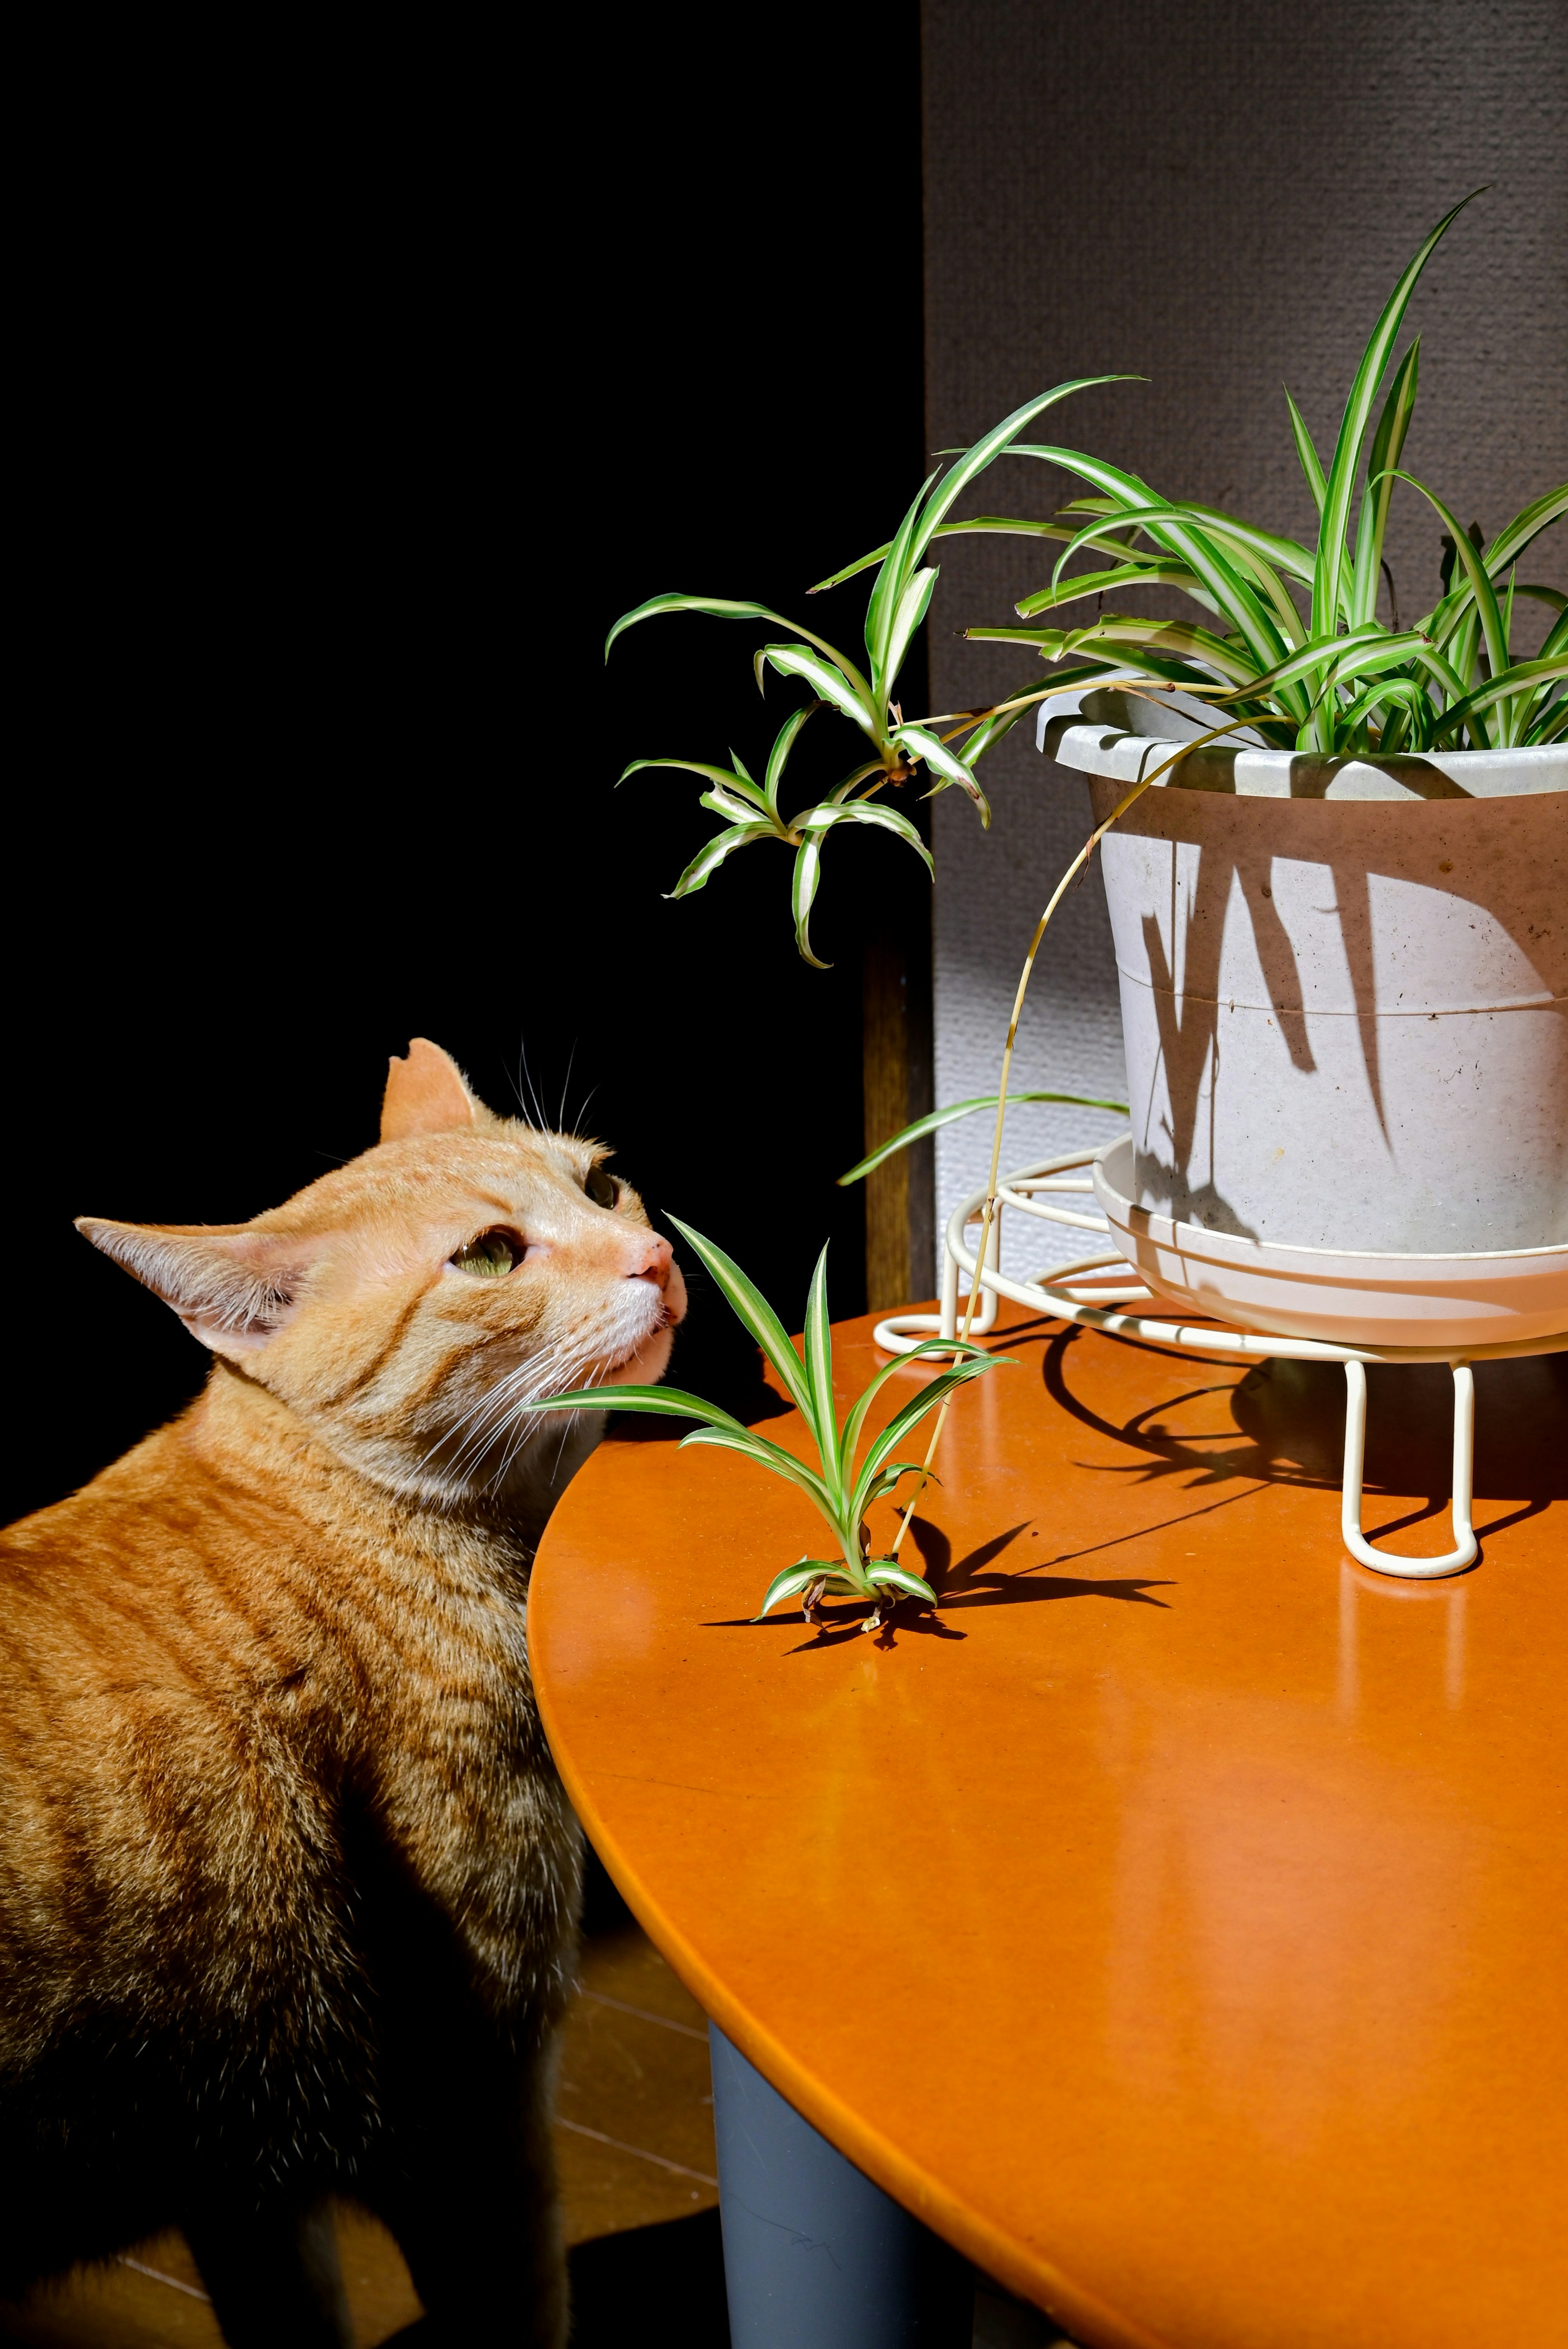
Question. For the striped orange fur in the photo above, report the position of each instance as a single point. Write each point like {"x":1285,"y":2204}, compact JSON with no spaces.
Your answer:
{"x":287,"y":1881}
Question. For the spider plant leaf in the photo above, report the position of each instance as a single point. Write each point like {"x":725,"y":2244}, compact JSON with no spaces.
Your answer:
{"x":1387,"y":443}
{"x":936,"y":1118}
{"x":1477,"y":573}
{"x":755,"y":1314}
{"x":1515,"y":536}
{"x":885,"y":1574}
{"x":1306,"y":454}
{"x":1106,"y":582}
{"x":773,"y":1457}
{"x":1506,"y":547}
{"x":1286,"y":554}
{"x":1524,"y":675}
{"x":1008,"y":525}
{"x":734,"y":811}
{"x":1144,"y":518}
{"x":990,"y":445}
{"x":1551,"y":725}
{"x":803,"y":883}
{"x":912,"y":607}
{"x":856,"y":1418}
{"x":889,"y":1478}
{"x":826,"y":682}
{"x":908,"y":549}
{"x":1116,"y":631}
{"x":724,"y":608}
{"x":943,"y":763}
{"x":884,"y":1445}
{"x":1403,"y":693}
{"x":819,"y":1337}
{"x":1175,"y":534}
{"x":1339,"y":486}
{"x":887,"y":593}
{"x":725,"y":776}
{"x":668,"y":1402}
{"x":1556,"y":636}
{"x":713,"y":854}
{"x":777,"y":758}
{"x":751,"y":1308}
{"x":796,"y":1578}
{"x":817,"y":821}
{"x":840,"y":792}
{"x":1327,"y":659}
{"x":1538,"y":595}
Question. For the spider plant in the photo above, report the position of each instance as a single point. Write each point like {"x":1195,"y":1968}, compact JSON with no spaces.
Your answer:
{"x":1326,"y":675}
{"x":892,"y":749}
{"x":840,"y":1491}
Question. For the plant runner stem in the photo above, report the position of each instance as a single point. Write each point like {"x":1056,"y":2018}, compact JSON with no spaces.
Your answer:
{"x":1085,"y":852}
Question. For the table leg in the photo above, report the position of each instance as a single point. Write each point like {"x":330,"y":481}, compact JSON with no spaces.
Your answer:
{"x":815,"y":2256}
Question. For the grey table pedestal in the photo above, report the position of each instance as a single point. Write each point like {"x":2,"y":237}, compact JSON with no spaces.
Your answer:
{"x":815,"y":2256}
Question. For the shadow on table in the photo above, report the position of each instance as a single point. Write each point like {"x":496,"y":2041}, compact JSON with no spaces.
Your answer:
{"x":1283,"y":1422}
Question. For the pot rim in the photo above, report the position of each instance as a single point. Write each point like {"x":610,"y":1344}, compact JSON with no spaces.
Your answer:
{"x":1095,"y":731}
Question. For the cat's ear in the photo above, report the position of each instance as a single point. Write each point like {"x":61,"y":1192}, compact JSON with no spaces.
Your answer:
{"x":232,"y":1287}
{"x":426,"y":1093}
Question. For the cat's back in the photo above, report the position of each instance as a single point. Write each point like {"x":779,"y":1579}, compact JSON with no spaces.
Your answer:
{"x":153,"y":1740}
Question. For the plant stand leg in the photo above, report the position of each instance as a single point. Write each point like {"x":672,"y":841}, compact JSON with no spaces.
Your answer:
{"x":1382,"y":1561}
{"x":813,"y":2252}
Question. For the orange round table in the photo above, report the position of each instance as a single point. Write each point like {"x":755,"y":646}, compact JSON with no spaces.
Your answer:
{"x":1177,"y":1920}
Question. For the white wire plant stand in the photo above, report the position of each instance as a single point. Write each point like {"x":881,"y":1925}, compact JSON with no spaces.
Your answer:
{"x":1098,"y":1292}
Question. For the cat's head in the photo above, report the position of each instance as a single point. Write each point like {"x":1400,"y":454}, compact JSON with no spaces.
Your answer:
{"x":408,"y":1306}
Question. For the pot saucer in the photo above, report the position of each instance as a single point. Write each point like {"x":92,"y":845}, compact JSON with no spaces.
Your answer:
{"x":1344,"y":1296}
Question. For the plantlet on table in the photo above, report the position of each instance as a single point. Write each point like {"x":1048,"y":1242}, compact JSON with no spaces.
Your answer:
{"x":840,"y":1491}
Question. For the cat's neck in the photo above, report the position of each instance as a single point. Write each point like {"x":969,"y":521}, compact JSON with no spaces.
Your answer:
{"x":238,"y":1428}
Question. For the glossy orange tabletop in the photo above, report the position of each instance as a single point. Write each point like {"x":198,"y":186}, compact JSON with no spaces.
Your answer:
{"x":1177,"y":1921}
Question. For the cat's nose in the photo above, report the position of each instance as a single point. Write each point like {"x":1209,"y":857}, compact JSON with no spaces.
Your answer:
{"x":654,"y":1262}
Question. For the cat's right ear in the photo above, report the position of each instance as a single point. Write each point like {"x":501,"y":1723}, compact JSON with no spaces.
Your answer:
{"x":425,"y":1094}
{"x":234,"y":1289}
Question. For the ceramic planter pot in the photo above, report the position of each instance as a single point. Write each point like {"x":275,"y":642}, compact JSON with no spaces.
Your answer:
{"x":1344,"y":987}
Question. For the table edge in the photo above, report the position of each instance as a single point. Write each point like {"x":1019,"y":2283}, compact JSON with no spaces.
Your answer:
{"x":1030,"y":2277}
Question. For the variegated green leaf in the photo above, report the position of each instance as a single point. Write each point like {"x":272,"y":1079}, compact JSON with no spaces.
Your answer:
{"x":884,"y":1445}
{"x":912,"y":607}
{"x":819,"y":1341}
{"x":935,"y":1119}
{"x":1340,"y":483}
{"x":1387,"y":443}
{"x":726,"y":607}
{"x":943,"y":763}
{"x":887,"y":1576}
{"x":777,"y":758}
{"x":940,"y":1347}
{"x":774,"y":1457}
{"x":825,"y":681}
{"x":724,"y":776}
{"x":713,"y":854}
{"x":817,"y":821}
{"x":750,"y":1308}
{"x":803,"y":883}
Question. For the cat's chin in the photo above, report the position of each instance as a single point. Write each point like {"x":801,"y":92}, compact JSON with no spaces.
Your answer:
{"x":645,"y":1365}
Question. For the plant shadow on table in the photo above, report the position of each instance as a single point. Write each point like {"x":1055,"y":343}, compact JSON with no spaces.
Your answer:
{"x":1283,"y":1422}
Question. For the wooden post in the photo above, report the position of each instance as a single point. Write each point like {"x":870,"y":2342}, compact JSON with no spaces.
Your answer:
{"x":895,"y":996}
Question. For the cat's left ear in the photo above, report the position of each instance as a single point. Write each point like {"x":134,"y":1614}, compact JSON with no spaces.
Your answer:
{"x":233,"y":1287}
{"x":426,"y":1093}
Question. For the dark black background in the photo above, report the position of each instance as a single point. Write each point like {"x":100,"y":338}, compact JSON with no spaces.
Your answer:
{"x":364,"y":392}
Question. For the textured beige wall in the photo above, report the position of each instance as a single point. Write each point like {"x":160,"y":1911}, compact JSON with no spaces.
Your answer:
{"x":1219,"y":197}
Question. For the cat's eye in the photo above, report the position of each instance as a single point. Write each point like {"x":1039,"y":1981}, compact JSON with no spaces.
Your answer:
{"x":602,"y":1188}
{"x":490,"y":1256}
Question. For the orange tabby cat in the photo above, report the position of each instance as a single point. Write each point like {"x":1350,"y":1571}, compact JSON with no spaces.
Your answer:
{"x":287,"y":1881}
